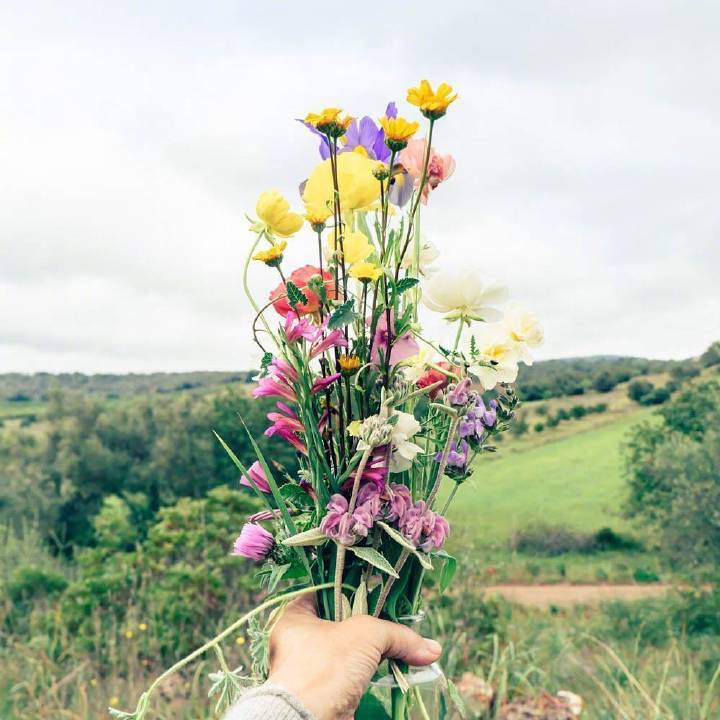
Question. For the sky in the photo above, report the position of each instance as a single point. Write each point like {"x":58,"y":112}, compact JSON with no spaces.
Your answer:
{"x":134,"y":137}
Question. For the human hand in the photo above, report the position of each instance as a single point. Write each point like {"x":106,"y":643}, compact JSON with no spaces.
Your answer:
{"x":328,"y":665}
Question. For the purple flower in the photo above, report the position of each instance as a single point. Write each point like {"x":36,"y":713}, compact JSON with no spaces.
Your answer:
{"x":400,"y":501}
{"x":403,"y":347}
{"x":458,"y":455}
{"x":435,"y":531}
{"x":411,"y":522}
{"x":459,"y":395}
{"x":256,"y":478}
{"x":254,"y":542}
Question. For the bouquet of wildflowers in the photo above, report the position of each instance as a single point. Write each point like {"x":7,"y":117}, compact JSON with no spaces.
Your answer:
{"x":387,"y":423}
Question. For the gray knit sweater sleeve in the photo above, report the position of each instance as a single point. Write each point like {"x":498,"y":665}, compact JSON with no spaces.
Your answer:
{"x":268,"y":702}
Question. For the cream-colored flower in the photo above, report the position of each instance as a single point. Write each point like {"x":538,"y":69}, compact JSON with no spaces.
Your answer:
{"x":404,"y":451}
{"x":497,"y":360}
{"x":428,"y":254}
{"x":463,"y":294}
{"x":524,"y":330}
{"x":414,"y":367}
{"x":573,"y":701}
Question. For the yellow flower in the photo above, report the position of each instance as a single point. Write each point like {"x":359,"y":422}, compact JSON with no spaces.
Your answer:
{"x":366,"y":272}
{"x":275,"y":216}
{"x":129,"y":634}
{"x":273,"y":256}
{"x":355,"y":246}
{"x":432,"y":104}
{"x":349,"y":364}
{"x":240,"y":640}
{"x":142,"y":627}
{"x":93,"y":682}
{"x":354,"y":428}
{"x":358,"y":186}
{"x":397,"y":131}
{"x":329,"y":121}
{"x":114,"y":700}
{"x":317,"y":216}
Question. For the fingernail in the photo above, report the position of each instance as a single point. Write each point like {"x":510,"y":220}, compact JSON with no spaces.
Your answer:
{"x":433,"y":646}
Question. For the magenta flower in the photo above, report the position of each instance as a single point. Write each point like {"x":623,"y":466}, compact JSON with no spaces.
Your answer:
{"x":299,"y":327}
{"x":375,"y":472}
{"x":254,"y":542}
{"x":264,"y":515}
{"x":403,"y":347}
{"x":339,"y":524}
{"x":323,"y":382}
{"x":435,"y":531}
{"x":285,"y":424}
{"x":256,"y":478}
{"x":400,"y":501}
{"x":334,"y":338}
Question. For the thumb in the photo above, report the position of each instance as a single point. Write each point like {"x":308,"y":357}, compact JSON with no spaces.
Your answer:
{"x":401,"y":643}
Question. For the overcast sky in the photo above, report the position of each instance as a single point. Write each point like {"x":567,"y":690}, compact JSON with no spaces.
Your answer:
{"x":135,"y":135}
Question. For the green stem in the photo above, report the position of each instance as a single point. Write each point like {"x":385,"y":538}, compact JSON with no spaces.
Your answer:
{"x":399,"y":704}
{"x":145,"y":697}
{"x":458,"y":335}
{"x":443,"y":461}
{"x":450,"y":498}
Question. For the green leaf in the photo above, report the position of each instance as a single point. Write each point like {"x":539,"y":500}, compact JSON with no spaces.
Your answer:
{"x":265,"y":363}
{"x":314,"y":536}
{"x":371,"y":708}
{"x":342,"y":315}
{"x":242,"y":469}
{"x":457,"y":701}
{"x":374,"y":558}
{"x":360,"y":600}
{"x":448,"y":572}
{"x":405,"y":284}
{"x":295,"y":494}
{"x":295,"y":294}
{"x":396,"y":536}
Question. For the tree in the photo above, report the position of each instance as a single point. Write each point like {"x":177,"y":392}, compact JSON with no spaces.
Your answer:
{"x":638,"y":389}
{"x":673,"y":472}
{"x":711,"y":356}
{"x":604,"y":382}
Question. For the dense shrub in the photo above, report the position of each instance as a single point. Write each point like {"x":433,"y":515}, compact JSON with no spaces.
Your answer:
{"x":638,"y":389}
{"x":605,"y":382}
{"x":31,"y":582}
{"x":551,"y":541}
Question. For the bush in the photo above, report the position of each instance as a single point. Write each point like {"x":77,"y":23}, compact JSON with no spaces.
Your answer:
{"x":519,"y":427}
{"x":600,"y":408}
{"x":578,"y":411}
{"x":542,"y":410}
{"x":551,"y":541}
{"x":639,"y":389}
{"x":645,"y":575}
{"x":604,"y":382}
{"x":538,"y":427}
{"x":32,"y":582}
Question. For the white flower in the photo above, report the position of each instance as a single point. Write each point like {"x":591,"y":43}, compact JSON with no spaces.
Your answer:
{"x":404,"y":451}
{"x":524,"y":330}
{"x":496,"y":349}
{"x":574,"y":702}
{"x":463,"y":293}
{"x":414,"y":367}
{"x":428,"y":254}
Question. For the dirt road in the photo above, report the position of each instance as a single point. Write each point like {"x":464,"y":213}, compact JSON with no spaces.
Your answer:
{"x":566,"y":595}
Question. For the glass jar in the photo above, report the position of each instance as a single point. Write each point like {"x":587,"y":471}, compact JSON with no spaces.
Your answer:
{"x":418,"y":697}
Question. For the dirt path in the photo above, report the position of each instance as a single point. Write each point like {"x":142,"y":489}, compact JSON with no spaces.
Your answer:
{"x":566,"y":595}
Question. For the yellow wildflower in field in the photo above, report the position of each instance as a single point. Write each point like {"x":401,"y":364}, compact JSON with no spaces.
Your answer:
{"x":433,"y":104}
{"x":240,"y":640}
{"x":358,"y":187}
{"x":275,"y":218}
{"x":273,"y":256}
{"x":353,"y":246}
{"x":349,"y":364}
{"x":366,"y":272}
{"x":114,"y":700}
{"x":129,"y":634}
{"x":397,"y":131}
{"x":142,"y":627}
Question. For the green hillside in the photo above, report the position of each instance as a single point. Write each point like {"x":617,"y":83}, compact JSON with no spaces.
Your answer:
{"x":575,"y":481}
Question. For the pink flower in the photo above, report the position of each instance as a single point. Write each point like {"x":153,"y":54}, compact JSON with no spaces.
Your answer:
{"x":334,"y":338}
{"x":323,"y":382}
{"x":297,"y":327}
{"x":440,"y":167}
{"x":279,"y":383}
{"x":435,"y":531}
{"x":338,"y":524}
{"x":300,"y":278}
{"x":256,"y":478}
{"x":254,"y":542}
{"x":403,"y":347}
{"x":375,"y":472}
{"x":400,"y":501}
{"x":432,"y":376}
{"x":264,"y":515}
{"x":286,"y":424}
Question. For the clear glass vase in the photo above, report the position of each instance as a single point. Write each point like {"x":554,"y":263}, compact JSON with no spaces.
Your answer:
{"x":417,"y":697}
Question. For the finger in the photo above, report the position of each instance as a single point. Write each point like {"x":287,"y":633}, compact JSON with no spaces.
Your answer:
{"x":304,"y":605}
{"x":401,"y":643}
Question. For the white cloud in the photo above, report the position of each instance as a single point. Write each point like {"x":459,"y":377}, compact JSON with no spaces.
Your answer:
{"x":133,"y":138}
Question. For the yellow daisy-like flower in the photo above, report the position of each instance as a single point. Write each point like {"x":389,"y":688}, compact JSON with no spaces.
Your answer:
{"x":397,"y":132}
{"x":366,"y":272}
{"x":329,"y":121}
{"x":240,"y":640}
{"x":349,"y":364}
{"x":142,"y":627}
{"x":275,"y":218}
{"x":273,"y":256}
{"x":358,"y":186}
{"x":432,"y":104}
{"x":355,"y":246}
{"x":129,"y":634}
{"x":317,"y":216}
{"x":354,"y":428}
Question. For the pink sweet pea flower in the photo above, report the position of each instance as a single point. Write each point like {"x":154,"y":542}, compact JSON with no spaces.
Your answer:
{"x":334,"y":338}
{"x":323,"y":382}
{"x":403,"y":347}
{"x":254,"y":542}
{"x":256,"y":478}
{"x":440,"y":167}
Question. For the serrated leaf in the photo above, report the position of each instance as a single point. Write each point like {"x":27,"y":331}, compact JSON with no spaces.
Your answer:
{"x":374,"y":558}
{"x":360,"y":600}
{"x":342,"y":315}
{"x":405,"y":284}
{"x":314,"y":536}
{"x":295,"y":295}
